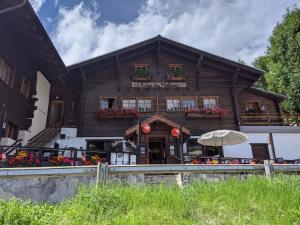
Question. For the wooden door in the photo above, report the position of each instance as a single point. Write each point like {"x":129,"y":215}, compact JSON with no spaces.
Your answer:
{"x":56,"y":113}
{"x":260,"y":151}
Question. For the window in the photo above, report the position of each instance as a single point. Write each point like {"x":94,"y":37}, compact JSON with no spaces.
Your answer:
{"x":129,"y":103}
{"x":107,"y":103}
{"x":175,"y":67}
{"x":144,"y":105}
{"x":7,"y":73}
{"x":209,"y":102}
{"x":173,"y":105}
{"x":11,"y":131}
{"x":252,"y":107}
{"x":141,"y":67}
{"x":260,"y":151}
{"x":188,"y":104}
{"x":25,"y":88}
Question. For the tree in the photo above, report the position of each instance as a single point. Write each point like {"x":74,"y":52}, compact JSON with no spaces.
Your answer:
{"x":282,"y":61}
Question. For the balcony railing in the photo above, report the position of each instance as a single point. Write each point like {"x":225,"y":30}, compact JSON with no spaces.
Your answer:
{"x":269,"y":119}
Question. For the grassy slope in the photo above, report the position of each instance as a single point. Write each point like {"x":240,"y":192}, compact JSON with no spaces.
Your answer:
{"x":253,"y":201}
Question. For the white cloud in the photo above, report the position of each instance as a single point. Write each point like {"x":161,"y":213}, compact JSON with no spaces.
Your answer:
{"x":37,"y":4}
{"x":230,"y":28}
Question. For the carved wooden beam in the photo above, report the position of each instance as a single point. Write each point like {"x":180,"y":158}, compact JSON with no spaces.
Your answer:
{"x":198,"y":65}
{"x":235,"y":104}
{"x":158,"y":57}
{"x":117,"y":74}
{"x":83,"y":75}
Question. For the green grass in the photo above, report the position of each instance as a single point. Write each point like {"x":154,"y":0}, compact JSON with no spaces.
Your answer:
{"x":252,"y":201}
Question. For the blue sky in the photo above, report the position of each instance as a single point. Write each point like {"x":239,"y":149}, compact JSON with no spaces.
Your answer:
{"x":236,"y":29}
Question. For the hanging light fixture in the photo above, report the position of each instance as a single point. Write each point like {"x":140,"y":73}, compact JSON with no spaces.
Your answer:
{"x":146,"y":129}
{"x":175,"y":132}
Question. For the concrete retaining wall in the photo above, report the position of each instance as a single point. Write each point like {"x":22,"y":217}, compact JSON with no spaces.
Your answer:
{"x":53,"y":189}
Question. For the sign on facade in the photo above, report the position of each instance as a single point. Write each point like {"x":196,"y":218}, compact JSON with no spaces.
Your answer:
{"x":158,"y":84}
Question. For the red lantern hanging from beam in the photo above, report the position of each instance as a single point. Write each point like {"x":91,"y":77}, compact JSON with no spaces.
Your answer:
{"x":146,"y":129}
{"x":175,"y":132}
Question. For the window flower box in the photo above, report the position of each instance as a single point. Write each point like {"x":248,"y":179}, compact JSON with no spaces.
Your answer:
{"x":201,"y":113}
{"x":115,"y":113}
{"x":176,"y":75}
{"x":141,"y":75}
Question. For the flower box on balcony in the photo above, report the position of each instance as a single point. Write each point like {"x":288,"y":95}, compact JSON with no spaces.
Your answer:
{"x":201,"y":115}
{"x":116,"y":114}
{"x":141,"y":75}
{"x":205,"y":113}
{"x":176,"y":76}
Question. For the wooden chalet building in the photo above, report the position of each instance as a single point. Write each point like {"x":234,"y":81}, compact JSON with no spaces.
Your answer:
{"x":159,"y":94}
{"x":29,"y":65}
{"x":161,"y":84}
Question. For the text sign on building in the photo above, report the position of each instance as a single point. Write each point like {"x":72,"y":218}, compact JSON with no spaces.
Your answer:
{"x":158,"y":84}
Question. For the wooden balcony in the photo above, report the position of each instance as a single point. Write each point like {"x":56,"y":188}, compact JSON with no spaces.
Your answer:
{"x":269,"y":119}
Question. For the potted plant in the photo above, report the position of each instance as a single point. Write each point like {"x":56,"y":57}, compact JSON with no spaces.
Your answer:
{"x":176,"y":75}
{"x":141,"y":75}
{"x":116,"y":113}
{"x":205,"y":113}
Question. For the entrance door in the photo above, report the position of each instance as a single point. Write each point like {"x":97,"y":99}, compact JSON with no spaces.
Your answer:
{"x":157,"y":150}
{"x":56,"y":113}
{"x":260,"y":151}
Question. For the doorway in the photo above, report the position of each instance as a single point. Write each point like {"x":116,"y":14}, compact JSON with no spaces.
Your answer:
{"x":260,"y":151}
{"x":56,"y":113}
{"x":157,"y":150}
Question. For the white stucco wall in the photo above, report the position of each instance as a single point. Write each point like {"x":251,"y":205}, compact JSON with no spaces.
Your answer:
{"x":287,"y":146}
{"x":40,"y":115}
{"x":71,"y":139}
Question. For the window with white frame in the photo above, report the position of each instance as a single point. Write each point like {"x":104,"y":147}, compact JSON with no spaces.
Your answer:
{"x":188,"y":104}
{"x":210,"y":102}
{"x":173,"y":105}
{"x":144,"y":105}
{"x":129,"y":103}
{"x":6,"y":73}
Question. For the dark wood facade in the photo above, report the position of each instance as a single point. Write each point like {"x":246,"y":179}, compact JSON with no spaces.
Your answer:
{"x":203,"y":76}
{"x":25,"y":48}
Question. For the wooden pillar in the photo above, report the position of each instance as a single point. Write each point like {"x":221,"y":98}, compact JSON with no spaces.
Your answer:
{"x":198,"y":66}
{"x":235,"y":105}
{"x":272,"y":146}
{"x":117,"y":74}
{"x":158,"y":57}
{"x":2,"y":120}
{"x":82,"y":103}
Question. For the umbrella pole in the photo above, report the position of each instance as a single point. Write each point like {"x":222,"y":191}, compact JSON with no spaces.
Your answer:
{"x":220,"y":149}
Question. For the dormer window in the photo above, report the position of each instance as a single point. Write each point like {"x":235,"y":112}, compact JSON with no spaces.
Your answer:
{"x":175,"y":67}
{"x":141,"y":72}
{"x":141,"y":67}
{"x":175,"y":73}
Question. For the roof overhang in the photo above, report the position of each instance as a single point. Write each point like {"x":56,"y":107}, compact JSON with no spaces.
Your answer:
{"x":163,"y":44}
{"x":25,"y":26}
{"x":266,"y":93}
{"x":158,"y":118}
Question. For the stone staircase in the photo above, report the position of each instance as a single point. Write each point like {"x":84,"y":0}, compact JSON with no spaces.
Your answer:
{"x":45,"y":138}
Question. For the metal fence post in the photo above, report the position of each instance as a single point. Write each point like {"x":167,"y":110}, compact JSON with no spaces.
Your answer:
{"x":268,"y":168}
{"x":102,"y":169}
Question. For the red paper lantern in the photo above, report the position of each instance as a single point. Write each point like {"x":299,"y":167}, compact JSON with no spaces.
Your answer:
{"x":175,"y":132}
{"x":146,"y":129}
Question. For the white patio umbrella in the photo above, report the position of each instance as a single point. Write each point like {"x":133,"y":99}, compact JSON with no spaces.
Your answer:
{"x":222,"y":138}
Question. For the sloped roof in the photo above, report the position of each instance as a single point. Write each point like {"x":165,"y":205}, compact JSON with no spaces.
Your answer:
{"x":154,"y":119}
{"x":28,"y":31}
{"x":268,"y":93}
{"x":193,"y":52}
